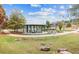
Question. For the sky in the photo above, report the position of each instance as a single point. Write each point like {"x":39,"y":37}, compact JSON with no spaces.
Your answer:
{"x":40,"y":13}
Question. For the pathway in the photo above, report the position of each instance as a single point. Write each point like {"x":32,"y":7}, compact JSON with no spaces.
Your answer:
{"x":57,"y":34}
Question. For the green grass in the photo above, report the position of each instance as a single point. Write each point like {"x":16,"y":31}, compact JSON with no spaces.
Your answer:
{"x":9,"y":45}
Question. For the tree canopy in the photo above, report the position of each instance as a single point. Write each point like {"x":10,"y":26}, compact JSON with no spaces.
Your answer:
{"x":48,"y":24}
{"x":17,"y":20}
{"x":74,"y":13}
{"x":60,"y":25}
{"x":3,"y":17}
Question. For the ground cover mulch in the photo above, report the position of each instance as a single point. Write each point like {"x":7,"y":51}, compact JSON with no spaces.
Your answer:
{"x":12,"y":32}
{"x":3,"y":33}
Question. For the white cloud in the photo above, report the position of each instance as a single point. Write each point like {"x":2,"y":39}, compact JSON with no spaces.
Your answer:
{"x":48,"y":10}
{"x":48,"y":14}
{"x":43,"y":12}
{"x":35,"y":5}
{"x":17,"y":11}
{"x":39,"y":13}
{"x":22,"y":11}
{"x":62,"y":12}
{"x":62,"y":15}
{"x":70,"y":6}
{"x":62,"y":7}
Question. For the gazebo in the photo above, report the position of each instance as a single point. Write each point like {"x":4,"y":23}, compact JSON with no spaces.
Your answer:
{"x":34,"y":28}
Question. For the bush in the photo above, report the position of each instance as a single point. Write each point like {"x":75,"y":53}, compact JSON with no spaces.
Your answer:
{"x":68,"y":25}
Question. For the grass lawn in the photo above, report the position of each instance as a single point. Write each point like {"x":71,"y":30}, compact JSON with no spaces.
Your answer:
{"x":10,"y":45}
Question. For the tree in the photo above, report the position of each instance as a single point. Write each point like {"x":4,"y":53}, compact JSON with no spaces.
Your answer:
{"x":6,"y":24}
{"x":17,"y":20}
{"x":69,"y":24}
{"x":2,"y":17}
{"x":60,"y":25}
{"x":47,"y":24}
{"x":74,"y":13}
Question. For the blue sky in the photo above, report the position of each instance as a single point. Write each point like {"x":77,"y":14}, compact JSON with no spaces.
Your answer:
{"x":40,"y":13}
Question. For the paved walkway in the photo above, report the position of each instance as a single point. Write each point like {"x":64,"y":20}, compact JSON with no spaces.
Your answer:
{"x":44,"y":35}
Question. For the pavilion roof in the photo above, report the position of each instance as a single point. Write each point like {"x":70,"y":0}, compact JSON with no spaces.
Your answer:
{"x":34,"y":24}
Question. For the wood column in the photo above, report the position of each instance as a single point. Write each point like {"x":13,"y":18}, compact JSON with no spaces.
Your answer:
{"x":27,"y":28}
